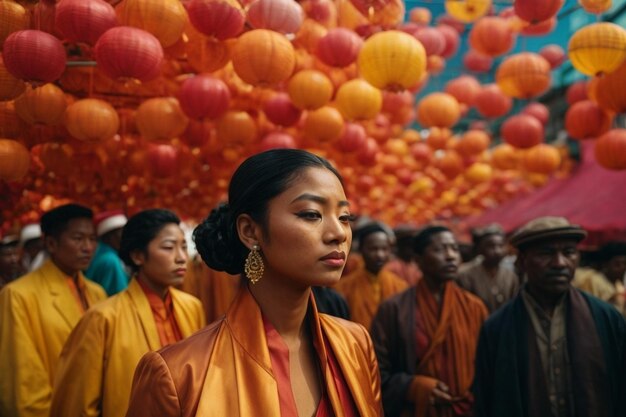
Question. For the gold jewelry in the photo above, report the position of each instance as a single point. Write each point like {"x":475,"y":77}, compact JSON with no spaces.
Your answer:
{"x":254,"y":265}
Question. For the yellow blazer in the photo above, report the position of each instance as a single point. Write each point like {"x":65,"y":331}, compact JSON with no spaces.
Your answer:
{"x":96,"y":367}
{"x":225,"y":369}
{"x":37,"y":313}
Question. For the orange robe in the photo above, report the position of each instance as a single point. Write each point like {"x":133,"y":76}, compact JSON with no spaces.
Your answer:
{"x":226,"y":369}
{"x":215,"y":289}
{"x":364,"y":292}
{"x":419,"y":343}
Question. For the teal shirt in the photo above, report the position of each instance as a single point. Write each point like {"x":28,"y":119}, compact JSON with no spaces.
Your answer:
{"x":107,"y":269}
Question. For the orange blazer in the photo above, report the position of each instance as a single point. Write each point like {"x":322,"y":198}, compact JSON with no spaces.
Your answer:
{"x":225,"y":369}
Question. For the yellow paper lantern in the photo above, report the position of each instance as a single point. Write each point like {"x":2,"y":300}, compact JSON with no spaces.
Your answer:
{"x":392,"y":60}
{"x":310,"y":89}
{"x":45,"y":105}
{"x":467,"y":10}
{"x":478,"y":172}
{"x":599,"y":48}
{"x":91,"y":120}
{"x":161,"y":119}
{"x":523,"y":75}
{"x":165,"y":19}
{"x":359,"y":100}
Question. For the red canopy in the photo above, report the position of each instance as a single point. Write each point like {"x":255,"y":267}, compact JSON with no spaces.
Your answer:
{"x":592,"y":197}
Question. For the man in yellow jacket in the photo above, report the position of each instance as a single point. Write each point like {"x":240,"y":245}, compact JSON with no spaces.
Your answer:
{"x":96,"y":366}
{"x":39,"y":310}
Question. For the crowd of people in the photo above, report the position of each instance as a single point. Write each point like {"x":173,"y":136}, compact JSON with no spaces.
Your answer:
{"x":292,"y":307}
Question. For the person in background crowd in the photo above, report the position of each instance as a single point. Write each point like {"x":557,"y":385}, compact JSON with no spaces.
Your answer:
{"x":613,"y":265}
{"x":107,"y":268}
{"x":96,"y":367}
{"x":286,"y":227}
{"x":33,"y":251}
{"x":39,"y":310}
{"x":330,"y":302}
{"x":404,"y":265}
{"x":425,"y":338}
{"x":553,"y":350}
{"x":486,"y":276}
{"x":10,"y":265}
{"x":215,"y":289}
{"x":366,"y":287}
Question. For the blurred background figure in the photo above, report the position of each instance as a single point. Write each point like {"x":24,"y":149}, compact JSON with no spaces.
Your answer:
{"x":33,"y":251}
{"x":404,"y":265}
{"x":487,"y":276}
{"x":368,"y":285}
{"x":106,"y":268}
{"x":10,"y":265}
{"x":612,"y":257}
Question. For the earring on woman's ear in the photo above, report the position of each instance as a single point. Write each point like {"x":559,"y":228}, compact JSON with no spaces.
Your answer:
{"x":254,"y":265}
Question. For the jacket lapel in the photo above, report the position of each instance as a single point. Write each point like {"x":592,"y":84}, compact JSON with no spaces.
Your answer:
{"x":144,"y":313}
{"x":187,"y":320}
{"x":62,"y":297}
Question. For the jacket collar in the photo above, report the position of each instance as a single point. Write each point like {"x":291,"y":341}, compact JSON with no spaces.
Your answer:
{"x":142,"y":307}
{"x":62,"y":297}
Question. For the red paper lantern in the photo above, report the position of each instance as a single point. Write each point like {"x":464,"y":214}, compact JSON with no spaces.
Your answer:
{"x":339,"y":47}
{"x":162,"y":160}
{"x":198,"y":133}
{"x":283,"y":16}
{"x":522,"y":131}
{"x":538,"y":111}
{"x":369,"y":153}
{"x":477,"y":62}
{"x":534,"y":11}
{"x":126,"y":52}
{"x":452,"y":39}
{"x":539,"y":28}
{"x":14,"y":160}
{"x":204,"y":96}
{"x":84,"y":20}
{"x":280,"y":110}
{"x":353,"y":138}
{"x":464,"y":89}
{"x":492,"y":36}
{"x":610,"y":149}
{"x":278,"y":140}
{"x":576,"y":92}
{"x":554,"y":54}
{"x":33,"y":55}
{"x":222,"y":19}
{"x":586,"y":120}
{"x":492,"y":102}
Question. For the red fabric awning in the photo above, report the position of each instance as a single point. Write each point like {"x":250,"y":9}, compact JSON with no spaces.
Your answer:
{"x":592,"y":197}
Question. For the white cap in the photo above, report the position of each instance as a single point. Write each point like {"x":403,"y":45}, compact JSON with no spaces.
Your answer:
{"x":106,"y":222}
{"x":30,"y":232}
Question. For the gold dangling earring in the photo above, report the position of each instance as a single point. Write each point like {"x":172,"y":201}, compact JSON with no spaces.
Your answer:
{"x":254,"y":265}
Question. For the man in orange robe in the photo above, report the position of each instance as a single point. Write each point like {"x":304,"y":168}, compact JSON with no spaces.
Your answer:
{"x":366,"y":287}
{"x":425,"y":338}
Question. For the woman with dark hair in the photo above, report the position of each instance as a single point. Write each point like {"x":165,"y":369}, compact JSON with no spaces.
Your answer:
{"x":96,"y":366}
{"x":286,"y":228}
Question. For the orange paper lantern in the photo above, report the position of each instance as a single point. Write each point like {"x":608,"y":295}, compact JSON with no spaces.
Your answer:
{"x":505,"y":157}
{"x":492,"y":102}
{"x":310,"y":89}
{"x":610,"y":149}
{"x":165,"y":19}
{"x":438,"y":110}
{"x":13,"y":17}
{"x":523,"y":75}
{"x":207,"y":55}
{"x":14,"y":160}
{"x":492,"y":36}
{"x":596,"y":6}
{"x":161,"y":119}
{"x":473,"y":142}
{"x":478,"y":172}
{"x":464,"y":89}
{"x":45,"y":105}
{"x":542,"y":159}
{"x":609,"y":90}
{"x":91,"y":120}
{"x":10,"y":86}
{"x":263,"y":57}
{"x":323,"y":125}
{"x":236,"y":128}
{"x":358,"y":100}
{"x":586,"y":120}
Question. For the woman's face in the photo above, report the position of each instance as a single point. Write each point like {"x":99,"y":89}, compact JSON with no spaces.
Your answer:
{"x":164,"y":263}
{"x":309,"y":235}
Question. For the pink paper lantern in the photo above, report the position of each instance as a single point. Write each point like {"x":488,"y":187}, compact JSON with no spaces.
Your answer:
{"x":126,"y":52}
{"x":339,"y":47}
{"x":432,"y":39}
{"x":280,"y":110}
{"x":283,"y":16}
{"x":33,"y":55}
{"x":204,"y":96}
{"x":452,"y":40}
{"x":277,"y":140}
{"x":222,"y":19}
{"x":554,"y":54}
{"x":538,"y":111}
{"x":353,"y":138}
{"x":576,"y":92}
{"x":492,"y":102}
{"x":477,"y":62}
{"x":162,"y":160}
{"x":84,"y":20}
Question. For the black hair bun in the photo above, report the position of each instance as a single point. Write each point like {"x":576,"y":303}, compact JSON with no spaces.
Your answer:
{"x":217,"y":241}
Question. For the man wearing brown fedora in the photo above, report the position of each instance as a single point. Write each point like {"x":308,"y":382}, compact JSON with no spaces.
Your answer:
{"x":553,"y":350}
